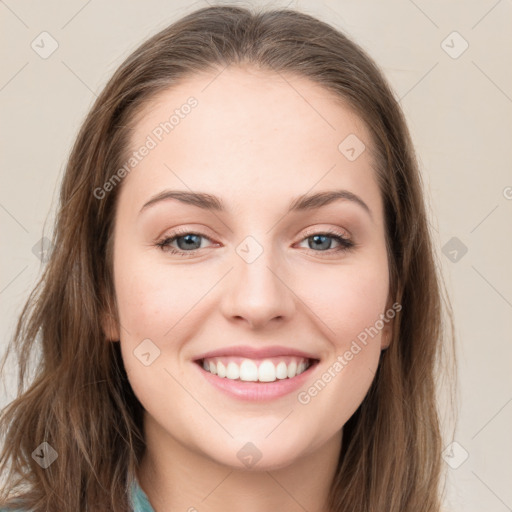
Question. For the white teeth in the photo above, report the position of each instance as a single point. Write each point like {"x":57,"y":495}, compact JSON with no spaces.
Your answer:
{"x":233,"y":371}
{"x":248,"y":370}
{"x":292,"y":369}
{"x":281,"y":370}
{"x":267,"y":372}
{"x":221,"y":369}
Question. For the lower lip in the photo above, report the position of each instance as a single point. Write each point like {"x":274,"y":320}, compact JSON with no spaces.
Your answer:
{"x":257,"y":391}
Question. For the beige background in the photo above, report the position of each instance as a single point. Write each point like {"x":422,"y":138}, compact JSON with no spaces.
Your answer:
{"x":459,"y":112}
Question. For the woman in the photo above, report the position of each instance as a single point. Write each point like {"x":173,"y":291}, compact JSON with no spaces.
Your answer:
{"x":284,"y":355}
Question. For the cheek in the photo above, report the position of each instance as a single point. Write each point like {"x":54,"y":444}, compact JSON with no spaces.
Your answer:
{"x":347,"y":300}
{"x":151,"y":299}
{"x":351,"y":309}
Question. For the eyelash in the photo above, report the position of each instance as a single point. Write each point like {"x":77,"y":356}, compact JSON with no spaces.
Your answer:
{"x":345,"y":243}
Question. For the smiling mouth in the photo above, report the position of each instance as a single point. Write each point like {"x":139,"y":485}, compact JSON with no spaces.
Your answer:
{"x":266,"y":370}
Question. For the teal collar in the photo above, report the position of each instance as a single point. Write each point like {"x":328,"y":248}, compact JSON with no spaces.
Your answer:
{"x":140,"y":502}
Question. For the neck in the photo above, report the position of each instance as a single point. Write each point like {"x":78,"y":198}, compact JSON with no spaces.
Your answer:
{"x":177,"y":478}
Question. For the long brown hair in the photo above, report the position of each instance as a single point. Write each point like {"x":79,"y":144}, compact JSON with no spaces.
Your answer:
{"x":79,"y":400}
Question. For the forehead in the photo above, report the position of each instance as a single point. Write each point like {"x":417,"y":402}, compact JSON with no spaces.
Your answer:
{"x":251,"y":135}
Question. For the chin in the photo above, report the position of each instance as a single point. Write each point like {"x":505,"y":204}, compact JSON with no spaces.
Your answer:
{"x":260,"y":454}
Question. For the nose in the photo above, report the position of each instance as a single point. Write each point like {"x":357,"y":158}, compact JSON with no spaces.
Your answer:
{"x":258,"y":292}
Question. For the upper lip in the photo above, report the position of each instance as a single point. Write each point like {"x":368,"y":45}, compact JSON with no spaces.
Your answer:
{"x":256,"y":353}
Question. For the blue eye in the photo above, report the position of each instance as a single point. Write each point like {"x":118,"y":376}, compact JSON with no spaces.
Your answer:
{"x":324,"y":241}
{"x":189,"y":242}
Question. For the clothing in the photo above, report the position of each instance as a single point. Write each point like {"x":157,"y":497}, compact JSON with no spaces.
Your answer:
{"x":139,"y":500}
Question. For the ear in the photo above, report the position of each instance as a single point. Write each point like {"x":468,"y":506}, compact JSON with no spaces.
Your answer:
{"x":387,"y":330}
{"x":386,"y":335}
{"x":110,"y":326}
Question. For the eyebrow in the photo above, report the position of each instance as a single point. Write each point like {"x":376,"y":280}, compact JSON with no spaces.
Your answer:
{"x":300,"y":203}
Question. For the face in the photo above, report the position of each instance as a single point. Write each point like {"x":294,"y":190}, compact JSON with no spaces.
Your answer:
{"x":253,"y":291}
